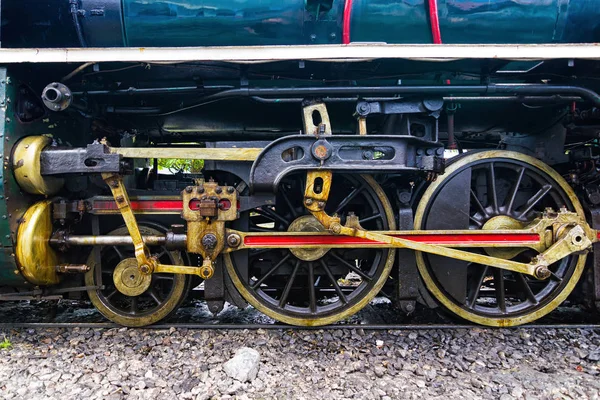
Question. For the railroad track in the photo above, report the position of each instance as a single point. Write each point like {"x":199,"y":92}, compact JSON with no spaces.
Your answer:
{"x":205,"y":326}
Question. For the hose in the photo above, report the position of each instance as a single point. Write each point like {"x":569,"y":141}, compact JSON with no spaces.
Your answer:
{"x":75,"y":14}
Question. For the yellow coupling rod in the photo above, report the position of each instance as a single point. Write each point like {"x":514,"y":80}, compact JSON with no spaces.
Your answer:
{"x":571,"y":240}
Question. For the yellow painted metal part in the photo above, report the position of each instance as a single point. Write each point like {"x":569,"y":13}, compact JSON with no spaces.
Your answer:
{"x":176,"y":295}
{"x":315,"y":202}
{"x":389,"y":262}
{"x":26,"y":167}
{"x":500,"y":222}
{"x":312,"y":128}
{"x":129,"y":280}
{"x":307,"y":223}
{"x":117,"y":186}
{"x":218,"y":154}
{"x":463,"y":312}
{"x":37,"y":261}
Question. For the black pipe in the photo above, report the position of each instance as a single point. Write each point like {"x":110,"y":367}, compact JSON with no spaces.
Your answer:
{"x":492,"y":89}
{"x":75,"y":14}
{"x":504,"y":99}
{"x":147,"y":91}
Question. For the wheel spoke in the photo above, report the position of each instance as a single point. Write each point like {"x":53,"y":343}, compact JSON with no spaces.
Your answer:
{"x":371,"y":218}
{"x":499,"y":288}
{"x":119,"y":252}
{"x":159,"y":255}
{"x":555,"y":277}
{"x":256,"y":252}
{"x":289,"y":203}
{"x":479,"y":282}
{"x":337,"y":288}
{"x":348,"y":199}
{"x":269,"y":272}
{"x":311,"y":287}
{"x":510,"y":199}
{"x":478,"y":203}
{"x":155,"y":297}
{"x":133,"y":309}
{"x":164,"y":277}
{"x":528,"y":292}
{"x":352,"y":267}
{"x":535,"y":199}
{"x":256,"y":228}
{"x":267,"y":212}
{"x":111,"y":294}
{"x":492,"y":192}
{"x":288,"y":286}
{"x":477,"y":222}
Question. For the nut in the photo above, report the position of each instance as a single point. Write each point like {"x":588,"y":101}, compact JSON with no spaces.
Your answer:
{"x":308,"y":202}
{"x":335,"y":228}
{"x":542,"y":272}
{"x":209,"y":241}
{"x":234,"y":240}
{"x":145,"y":268}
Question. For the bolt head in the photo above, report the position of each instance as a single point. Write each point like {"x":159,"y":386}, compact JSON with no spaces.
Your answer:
{"x":230,"y":189}
{"x":234,"y":240}
{"x":219,"y":190}
{"x":188,"y":189}
{"x":308,"y":202}
{"x":335,"y":228}
{"x":209,"y":241}
{"x":145,"y":268}
{"x":321,"y":204}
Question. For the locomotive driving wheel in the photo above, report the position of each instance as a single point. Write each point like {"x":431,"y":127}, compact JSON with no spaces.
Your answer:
{"x":128,"y":297}
{"x":495,"y":190}
{"x":311,"y":287}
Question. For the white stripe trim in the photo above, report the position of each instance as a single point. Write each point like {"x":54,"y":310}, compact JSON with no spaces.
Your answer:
{"x":352,"y":52}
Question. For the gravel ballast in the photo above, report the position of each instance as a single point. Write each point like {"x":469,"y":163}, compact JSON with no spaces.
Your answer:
{"x":353,"y":363}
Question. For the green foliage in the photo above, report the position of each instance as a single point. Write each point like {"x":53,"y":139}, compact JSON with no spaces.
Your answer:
{"x":176,"y":164}
{"x":5,"y":344}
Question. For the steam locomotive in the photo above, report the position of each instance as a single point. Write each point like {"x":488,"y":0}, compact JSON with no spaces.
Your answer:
{"x":302,"y":157}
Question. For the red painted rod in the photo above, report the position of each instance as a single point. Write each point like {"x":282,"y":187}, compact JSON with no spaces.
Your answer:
{"x":257,"y":240}
{"x":435,"y":22}
{"x":346,"y":22}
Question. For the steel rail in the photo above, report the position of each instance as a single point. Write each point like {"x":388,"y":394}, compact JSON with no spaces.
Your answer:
{"x":201,"y":326}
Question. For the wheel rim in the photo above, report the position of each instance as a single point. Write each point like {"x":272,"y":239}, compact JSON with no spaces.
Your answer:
{"x":501,"y":184}
{"x":300,"y":290}
{"x":164,"y":295}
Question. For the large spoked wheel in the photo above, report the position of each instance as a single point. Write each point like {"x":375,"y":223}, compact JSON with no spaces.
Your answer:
{"x":495,"y":190}
{"x":311,"y":287}
{"x":161,"y":295}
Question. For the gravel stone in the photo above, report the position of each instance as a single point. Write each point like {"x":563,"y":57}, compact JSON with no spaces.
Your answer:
{"x":244,"y":365}
{"x":115,"y":364}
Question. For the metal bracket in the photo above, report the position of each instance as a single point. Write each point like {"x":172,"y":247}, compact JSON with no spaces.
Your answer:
{"x":351,"y":154}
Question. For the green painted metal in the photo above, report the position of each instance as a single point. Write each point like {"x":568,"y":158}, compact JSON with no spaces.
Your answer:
{"x":213,"y":23}
{"x":7,"y":259}
{"x":477,"y":21}
{"x":178,"y":23}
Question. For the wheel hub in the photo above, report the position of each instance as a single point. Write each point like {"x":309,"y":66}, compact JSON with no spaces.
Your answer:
{"x":307,"y":223}
{"x":500,"y":222}
{"x":129,"y":280}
